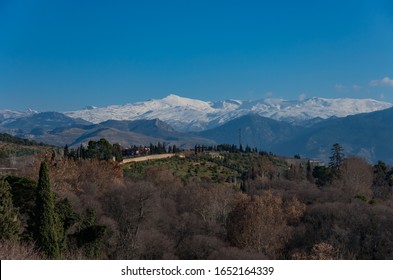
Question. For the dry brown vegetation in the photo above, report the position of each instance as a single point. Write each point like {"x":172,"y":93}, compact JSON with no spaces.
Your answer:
{"x":280,"y":214}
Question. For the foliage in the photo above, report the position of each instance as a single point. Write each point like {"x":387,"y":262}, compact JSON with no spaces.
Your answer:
{"x":208,"y":205}
{"x":67,"y":218}
{"x":23,"y":192}
{"x":90,"y":235}
{"x":4,"y":137}
{"x":262,"y":223}
{"x":46,"y":220}
{"x":337,"y":157}
{"x":383,"y":181}
{"x":202,"y":169}
{"x":323,"y":175}
{"x":9,"y":220}
{"x":101,"y":149}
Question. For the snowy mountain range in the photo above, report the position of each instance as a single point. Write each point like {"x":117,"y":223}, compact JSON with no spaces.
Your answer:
{"x":308,"y":127}
{"x":185,"y":114}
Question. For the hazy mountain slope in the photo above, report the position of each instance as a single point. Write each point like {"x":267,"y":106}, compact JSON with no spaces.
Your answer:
{"x":252,"y":130}
{"x":126,"y":133}
{"x":367,"y":135}
{"x":40,"y":123}
{"x":154,"y":128}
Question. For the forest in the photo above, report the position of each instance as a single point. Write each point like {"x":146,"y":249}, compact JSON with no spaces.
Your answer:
{"x":225,"y":203}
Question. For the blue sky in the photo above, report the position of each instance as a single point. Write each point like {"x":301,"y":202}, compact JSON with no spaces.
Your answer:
{"x":64,"y":55}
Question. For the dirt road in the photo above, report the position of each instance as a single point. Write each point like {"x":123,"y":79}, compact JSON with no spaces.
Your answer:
{"x":136,"y":159}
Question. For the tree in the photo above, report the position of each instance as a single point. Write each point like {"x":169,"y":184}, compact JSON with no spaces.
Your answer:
{"x":92,"y":149}
{"x":322,"y":175}
{"x":309,"y":171}
{"x":81,"y":152}
{"x":101,"y":150}
{"x":89,"y":237}
{"x":383,"y":180}
{"x":9,"y":222}
{"x":46,"y":220}
{"x":356,"y":177}
{"x":23,"y":194}
{"x":263,"y":223}
{"x":117,"y":153}
{"x":337,"y":157}
{"x":67,"y":218}
{"x":66,"y":151}
{"x":105,"y":149}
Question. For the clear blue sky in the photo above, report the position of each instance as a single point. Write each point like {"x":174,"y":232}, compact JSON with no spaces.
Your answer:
{"x":64,"y":55}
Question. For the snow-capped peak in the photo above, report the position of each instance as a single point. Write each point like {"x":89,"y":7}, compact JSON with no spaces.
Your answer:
{"x":90,"y":107}
{"x":186,"y":114}
{"x":178,"y":101}
{"x":7,"y":116}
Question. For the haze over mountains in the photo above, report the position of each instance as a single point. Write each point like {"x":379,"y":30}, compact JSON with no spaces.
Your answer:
{"x":308,"y":127}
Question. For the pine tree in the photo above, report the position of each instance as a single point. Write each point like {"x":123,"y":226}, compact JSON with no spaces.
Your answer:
{"x":9,"y":222}
{"x":66,"y":151}
{"x":337,"y":157}
{"x":46,"y":220}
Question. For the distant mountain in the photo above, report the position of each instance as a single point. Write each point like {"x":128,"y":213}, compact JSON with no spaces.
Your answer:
{"x":7,"y":116}
{"x":154,"y":128}
{"x":58,"y":129}
{"x":153,"y":131}
{"x":308,"y":127}
{"x":39,"y":123}
{"x":367,"y":135}
{"x":252,"y":130}
{"x":185,"y":114}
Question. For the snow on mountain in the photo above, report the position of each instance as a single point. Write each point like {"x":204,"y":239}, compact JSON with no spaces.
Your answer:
{"x":186,"y":114}
{"x":7,"y":116}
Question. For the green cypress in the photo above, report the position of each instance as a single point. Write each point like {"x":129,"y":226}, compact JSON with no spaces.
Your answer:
{"x":46,"y":231}
{"x":9,"y":221}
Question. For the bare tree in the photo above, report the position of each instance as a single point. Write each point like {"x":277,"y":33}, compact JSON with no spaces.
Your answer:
{"x":262,"y":223}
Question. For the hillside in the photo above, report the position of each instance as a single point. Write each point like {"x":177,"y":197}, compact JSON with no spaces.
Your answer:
{"x":13,"y":147}
{"x":58,"y":129}
{"x":40,"y":123}
{"x":252,"y":130}
{"x":365,"y":135}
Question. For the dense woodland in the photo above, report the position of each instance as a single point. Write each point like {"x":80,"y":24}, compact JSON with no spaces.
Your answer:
{"x":225,"y":203}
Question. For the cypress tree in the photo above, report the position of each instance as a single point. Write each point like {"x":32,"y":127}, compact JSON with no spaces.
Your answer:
{"x":46,"y":224}
{"x":336,"y":158}
{"x":9,"y":222}
{"x":66,"y":151}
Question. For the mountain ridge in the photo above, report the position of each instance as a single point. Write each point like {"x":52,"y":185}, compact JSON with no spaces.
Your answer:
{"x":186,"y":114}
{"x":193,"y":115}
{"x":365,"y":134}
